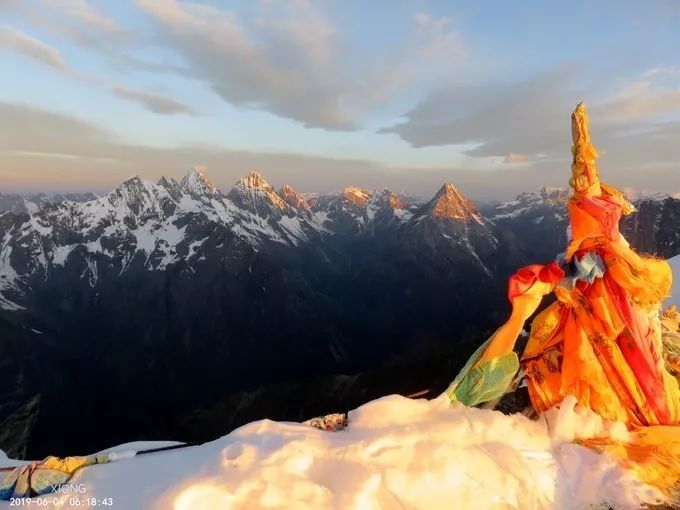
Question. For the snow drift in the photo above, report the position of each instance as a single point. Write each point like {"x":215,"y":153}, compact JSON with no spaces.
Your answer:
{"x":396,"y":454}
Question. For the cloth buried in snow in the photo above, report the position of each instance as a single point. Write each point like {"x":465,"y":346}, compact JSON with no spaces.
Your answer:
{"x":601,"y":340}
{"x":330,"y":422}
{"x":45,"y":476}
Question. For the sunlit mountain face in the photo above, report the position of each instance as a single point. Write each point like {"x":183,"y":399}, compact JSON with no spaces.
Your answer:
{"x":174,"y":309}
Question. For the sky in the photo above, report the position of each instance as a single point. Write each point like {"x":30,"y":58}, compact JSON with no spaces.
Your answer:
{"x":403,"y":94}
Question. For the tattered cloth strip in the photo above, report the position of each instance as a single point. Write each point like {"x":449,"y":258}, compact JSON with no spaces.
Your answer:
{"x":653,"y":454}
{"x":45,"y":476}
{"x":602,"y":340}
{"x":331,"y":422}
{"x":670,"y":329}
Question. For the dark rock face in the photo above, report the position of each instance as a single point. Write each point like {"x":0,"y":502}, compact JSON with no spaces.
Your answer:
{"x":534,"y":223}
{"x":11,"y":202}
{"x":161,"y":299}
{"x":172,"y":310}
{"x":16,"y":429}
{"x":655,"y":227}
{"x":538,"y":223}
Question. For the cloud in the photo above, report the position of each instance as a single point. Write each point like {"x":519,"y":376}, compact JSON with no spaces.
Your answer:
{"x":28,"y":46}
{"x":287,"y":70}
{"x":496,"y":118}
{"x":43,"y":150}
{"x":81,"y":23}
{"x":47,"y":150}
{"x":288,"y":59}
{"x":528,"y":117}
{"x":514,"y":158}
{"x":641,"y":100}
{"x":86,"y":13}
{"x":441,"y":40}
{"x":21,"y":43}
{"x":635,"y":127}
{"x":156,"y":104}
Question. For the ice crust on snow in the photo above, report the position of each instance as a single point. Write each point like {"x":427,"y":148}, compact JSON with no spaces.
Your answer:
{"x":396,"y":454}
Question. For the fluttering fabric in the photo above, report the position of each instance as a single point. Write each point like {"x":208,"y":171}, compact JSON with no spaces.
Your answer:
{"x":43,"y":477}
{"x":601,"y":340}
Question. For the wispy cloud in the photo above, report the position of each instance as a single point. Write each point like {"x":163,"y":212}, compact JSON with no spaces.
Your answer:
{"x":85,"y":13}
{"x":289,"y":59}
{"x":441,"y":38}
{"x":154,"y":103}
{"x":20,"y":42}
{"x":283,"y":71}
{"x":14,"y":40}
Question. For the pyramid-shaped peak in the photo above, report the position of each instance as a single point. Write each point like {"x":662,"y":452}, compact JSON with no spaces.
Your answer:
{"x":254,"y":193}
{"x":448,"y":202}
{"x":196,"y":180}
{"x":449,"y":189}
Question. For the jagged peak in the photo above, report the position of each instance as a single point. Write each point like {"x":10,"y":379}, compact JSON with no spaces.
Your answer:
{"x":357,"y":195}
{"x":167,"y":181}
{"x":132,"y":185}
{"x":197,"y":180}
{"x":254,"y":180}
{"x":388,"y":198}
{"x":292,"y":197}
{"x":132,"y":180}
{"x":448,"y":202}
{"x":252,"y":188}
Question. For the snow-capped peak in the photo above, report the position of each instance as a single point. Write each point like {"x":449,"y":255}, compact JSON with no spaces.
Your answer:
{"x":196,"y":182}
{"x":253,"y":193}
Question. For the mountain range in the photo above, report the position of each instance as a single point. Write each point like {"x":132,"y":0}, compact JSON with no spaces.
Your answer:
{"x":173,"y":310}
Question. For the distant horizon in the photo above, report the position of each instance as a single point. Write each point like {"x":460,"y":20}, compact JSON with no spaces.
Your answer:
{"x":312,"y":93}
{"x":629,"y":192}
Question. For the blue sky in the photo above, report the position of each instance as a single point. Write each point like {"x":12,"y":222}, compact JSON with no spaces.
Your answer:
{"x":320,"y":94}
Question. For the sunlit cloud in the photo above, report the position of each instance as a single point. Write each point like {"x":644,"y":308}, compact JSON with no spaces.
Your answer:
{"x":154,"y":103}
{"x":17,"y":41}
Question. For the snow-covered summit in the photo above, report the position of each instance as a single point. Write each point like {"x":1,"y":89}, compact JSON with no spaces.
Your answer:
{"x":396,"y":453}
{"x":545,"y":200}
{"x":252,"y":192}
{"x":197,"y":184}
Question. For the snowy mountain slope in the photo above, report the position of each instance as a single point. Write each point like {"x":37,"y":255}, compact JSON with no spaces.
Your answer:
{"x":450,"y":220}
{"x":165,"y":222}
{"x":396,"y":453}
{"x":357,"y":211}
{"x":255,"y":290}
{"x":157,"y":223}
{"x":538,"y":220}
{"x":154,"y":283}
{"x":12,"y":202}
